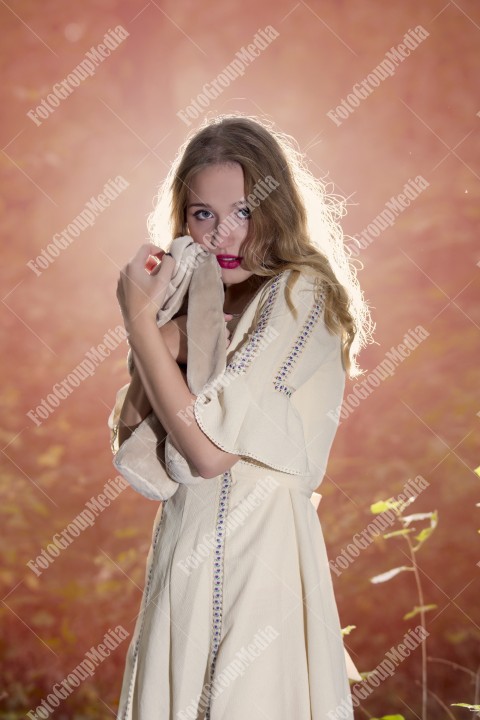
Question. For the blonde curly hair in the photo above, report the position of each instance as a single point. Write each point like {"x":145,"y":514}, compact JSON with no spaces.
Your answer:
{"x":296,"y":226}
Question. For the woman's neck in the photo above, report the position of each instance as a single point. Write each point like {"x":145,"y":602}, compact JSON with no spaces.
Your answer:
{"x":238,"y":295}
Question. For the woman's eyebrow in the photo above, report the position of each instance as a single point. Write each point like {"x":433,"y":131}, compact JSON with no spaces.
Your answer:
{"x":239,"y":202}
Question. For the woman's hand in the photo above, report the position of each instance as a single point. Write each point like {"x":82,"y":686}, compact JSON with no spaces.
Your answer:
{"x":141,"y":294}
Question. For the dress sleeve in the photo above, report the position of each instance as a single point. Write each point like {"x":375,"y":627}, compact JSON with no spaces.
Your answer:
{"x":271,"y":403}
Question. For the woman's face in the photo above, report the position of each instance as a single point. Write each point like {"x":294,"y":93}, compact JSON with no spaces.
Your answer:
{"x":216,"y":208}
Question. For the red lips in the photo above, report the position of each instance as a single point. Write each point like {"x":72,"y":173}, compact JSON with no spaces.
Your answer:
{"x":229,"y":262}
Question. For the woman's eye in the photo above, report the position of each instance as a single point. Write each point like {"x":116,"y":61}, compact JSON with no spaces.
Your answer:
{"x":202,"y":213}
{"x":244,"y":212}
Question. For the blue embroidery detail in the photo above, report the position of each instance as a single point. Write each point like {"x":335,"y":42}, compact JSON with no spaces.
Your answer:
{"x":297,"y":347}
{"x":242,"y":359}
{"x":218,"y":577}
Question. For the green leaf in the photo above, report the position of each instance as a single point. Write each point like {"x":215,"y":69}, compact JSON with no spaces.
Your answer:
{"x":384,"y":505}
{"x":473,"y":708}
{"x":426,"y":532}
{"x":418,"y":609}
{"x":347,"y":630}
{"x":389,"y":574}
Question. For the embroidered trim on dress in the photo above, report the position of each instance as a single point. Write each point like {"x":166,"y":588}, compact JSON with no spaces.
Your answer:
{"x":238,"y":364}
{"x":297,"y":347}
{"x":246,"y":355}
{"x":143,"y":611}
{"x":218,"y":577}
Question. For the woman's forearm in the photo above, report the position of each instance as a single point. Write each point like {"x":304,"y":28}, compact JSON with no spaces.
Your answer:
{"x":172,"y":400}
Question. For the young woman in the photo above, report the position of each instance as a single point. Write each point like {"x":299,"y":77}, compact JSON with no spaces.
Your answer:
{"x":242,"y":623}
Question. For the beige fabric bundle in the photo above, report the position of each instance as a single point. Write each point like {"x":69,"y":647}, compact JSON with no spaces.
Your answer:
{"x":148,"y":459}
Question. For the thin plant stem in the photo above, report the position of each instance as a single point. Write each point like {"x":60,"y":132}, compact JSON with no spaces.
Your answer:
{"x":454,"y":665}
{"x":442,"y":704}
{"x":477,"y":687}
{"x":418,"y":583}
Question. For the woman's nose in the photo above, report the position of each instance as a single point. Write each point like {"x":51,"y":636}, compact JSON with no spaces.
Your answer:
{"x":225,"y":231}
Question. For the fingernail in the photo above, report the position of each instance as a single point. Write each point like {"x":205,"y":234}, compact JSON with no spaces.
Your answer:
{"x":151,"y":264}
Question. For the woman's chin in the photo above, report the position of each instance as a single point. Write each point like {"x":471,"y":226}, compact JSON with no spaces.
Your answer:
{"x":234,"y":275}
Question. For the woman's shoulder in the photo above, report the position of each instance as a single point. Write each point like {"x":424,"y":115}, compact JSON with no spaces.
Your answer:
{"x":285,"y":300}
{"x":300,"y":280}
{"x":301,"y":310}
{"x":305,"y":287}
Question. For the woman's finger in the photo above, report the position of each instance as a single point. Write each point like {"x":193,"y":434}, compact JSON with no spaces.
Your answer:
{"x":162,"y":276}
{"x":142,"y":255}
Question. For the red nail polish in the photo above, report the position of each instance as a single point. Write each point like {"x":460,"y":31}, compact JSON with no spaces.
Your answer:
{"x":151,"y":264}
{"x":154,"y":260}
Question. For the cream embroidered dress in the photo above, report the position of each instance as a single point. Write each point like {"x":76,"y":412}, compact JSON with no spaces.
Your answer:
{"x":238,"y":618}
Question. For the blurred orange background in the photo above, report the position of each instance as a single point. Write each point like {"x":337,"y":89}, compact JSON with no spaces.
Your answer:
{"x":423,"y":270}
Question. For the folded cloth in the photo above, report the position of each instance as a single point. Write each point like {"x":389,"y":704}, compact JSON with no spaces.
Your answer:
{"x":148,"y":459}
